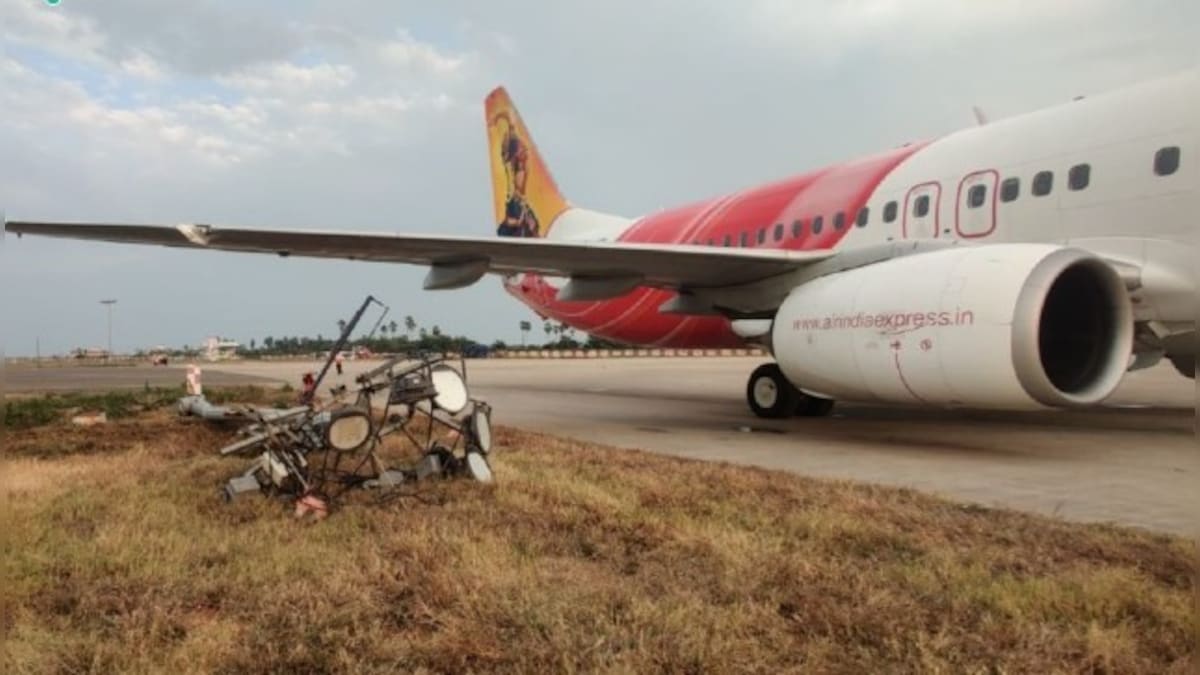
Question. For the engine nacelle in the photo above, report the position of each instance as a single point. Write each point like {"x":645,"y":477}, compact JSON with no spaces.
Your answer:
{"x":998,"y":326}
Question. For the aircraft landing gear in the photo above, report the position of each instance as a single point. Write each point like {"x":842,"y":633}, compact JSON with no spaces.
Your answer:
{"x":772,"y":396}
{"x":814,"y":406}
{"x":769,"y":393}
{"x":1185,"y":364}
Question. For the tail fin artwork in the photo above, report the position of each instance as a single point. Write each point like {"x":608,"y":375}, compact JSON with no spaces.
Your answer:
{"x":524,"y":195}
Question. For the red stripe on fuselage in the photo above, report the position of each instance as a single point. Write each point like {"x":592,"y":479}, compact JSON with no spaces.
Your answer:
{"x":634,"y":318}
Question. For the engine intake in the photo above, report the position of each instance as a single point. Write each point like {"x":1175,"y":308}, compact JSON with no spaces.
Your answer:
{"x":1073,"y":330}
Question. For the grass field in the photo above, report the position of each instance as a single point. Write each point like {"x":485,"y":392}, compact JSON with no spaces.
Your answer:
{"x":28,"y":412}
{"x":119,"y":557}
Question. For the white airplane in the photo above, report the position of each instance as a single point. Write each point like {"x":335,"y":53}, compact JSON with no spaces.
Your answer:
{"x":1021,"y":264}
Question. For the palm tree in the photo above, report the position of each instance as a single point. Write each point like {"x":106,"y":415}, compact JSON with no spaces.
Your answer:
{"x":436,"y":332}
{"x":393,"y":327}
{"x":341,"y":326}
{"x":410,"y":325}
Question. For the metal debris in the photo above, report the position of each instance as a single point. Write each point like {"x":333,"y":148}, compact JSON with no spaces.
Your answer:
{"x":314,"y":453}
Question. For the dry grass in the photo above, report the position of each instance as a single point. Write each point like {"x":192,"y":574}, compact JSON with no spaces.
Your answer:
{"x":119,"y":557}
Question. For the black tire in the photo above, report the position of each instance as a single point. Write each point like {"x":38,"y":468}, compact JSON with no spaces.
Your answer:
{"x":814,"y":406}
{"x":1185,"y":364}
{"x":769,"y":393}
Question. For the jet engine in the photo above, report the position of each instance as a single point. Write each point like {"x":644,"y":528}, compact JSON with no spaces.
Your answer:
{"x":1016,"y":326}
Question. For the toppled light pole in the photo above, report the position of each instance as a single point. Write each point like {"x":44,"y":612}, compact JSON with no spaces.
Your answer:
{"x":315,"y":452}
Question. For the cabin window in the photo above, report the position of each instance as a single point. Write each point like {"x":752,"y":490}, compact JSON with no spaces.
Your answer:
{"x":728,"y":241}
{"x":744,"y":239}
{"x":1166,"y":161}
{"x":779,"y":232}
{"x":797,"y":227}
{"x":889,"y":211}
{"x":864,"y":215}
{"x":818,"y":223}
{"x":762,"y":234}
{"x":1010,"y":189}
{"x":1043,"y":183}
{"x":1079,"y":176}
{"x":921,"y":206}
{"x":839,"y":220}
{"x":976,"y":196}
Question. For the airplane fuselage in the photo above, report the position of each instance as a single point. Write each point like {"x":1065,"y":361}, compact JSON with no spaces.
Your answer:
{"x":1115,"y":174}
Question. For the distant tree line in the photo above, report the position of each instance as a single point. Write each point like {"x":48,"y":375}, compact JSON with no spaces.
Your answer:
{"x":386,"y":340}
{"x":558,"y":336}
{"x":393,"y":337}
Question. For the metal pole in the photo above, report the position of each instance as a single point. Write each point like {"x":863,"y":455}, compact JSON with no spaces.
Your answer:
{"x":109,"y":304}
{"x":341,"y":341}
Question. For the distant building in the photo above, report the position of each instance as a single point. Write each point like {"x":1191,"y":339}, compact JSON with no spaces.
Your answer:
{"x":219,"y":349}
{"x":90,"y":353}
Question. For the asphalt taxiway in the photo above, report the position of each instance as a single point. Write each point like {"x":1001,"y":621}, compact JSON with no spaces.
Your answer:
{"x":1133,"y":461}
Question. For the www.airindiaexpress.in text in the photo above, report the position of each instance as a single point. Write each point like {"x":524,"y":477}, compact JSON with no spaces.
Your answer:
{"x":886,"y":320}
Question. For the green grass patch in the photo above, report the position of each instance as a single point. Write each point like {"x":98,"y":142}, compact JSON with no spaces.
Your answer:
{"x":32,"y":412}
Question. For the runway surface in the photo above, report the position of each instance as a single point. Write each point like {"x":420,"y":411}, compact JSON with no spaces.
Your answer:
{"x":1133,"y":462}
{"x":26,"y":379}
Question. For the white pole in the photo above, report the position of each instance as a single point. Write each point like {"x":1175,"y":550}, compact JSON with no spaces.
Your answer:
{"x":109,"y":304}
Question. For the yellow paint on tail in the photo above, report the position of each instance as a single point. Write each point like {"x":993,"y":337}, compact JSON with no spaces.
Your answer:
{"x":525,"y":198}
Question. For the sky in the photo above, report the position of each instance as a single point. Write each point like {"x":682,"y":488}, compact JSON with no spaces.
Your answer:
{"x":368,"y":116}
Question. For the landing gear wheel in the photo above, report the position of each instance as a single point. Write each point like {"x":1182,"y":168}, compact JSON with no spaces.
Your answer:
{"x":769,"y":393}
{"x":814,"y":406}
{"x":1185,"y":364}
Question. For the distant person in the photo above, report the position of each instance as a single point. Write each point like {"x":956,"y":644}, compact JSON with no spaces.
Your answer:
{"x":308,"y":390}
{"x":337,"y":361}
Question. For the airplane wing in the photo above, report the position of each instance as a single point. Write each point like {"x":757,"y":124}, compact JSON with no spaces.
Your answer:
{"x":459,"y":261}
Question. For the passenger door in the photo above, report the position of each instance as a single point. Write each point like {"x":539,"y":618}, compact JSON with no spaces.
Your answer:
{"x":921,"y":206}
{"x":975,"y":212}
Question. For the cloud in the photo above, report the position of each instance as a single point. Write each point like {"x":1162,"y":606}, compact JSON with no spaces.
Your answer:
{"x":130,"y":107}
{"x":200,"y":38}
{"x":142,"y":67}
{"x":288,"y":79}
{"x":405,"y":53}
{"x":196,"y":38}
{"x":65,"y":34}
{"x":904,"y":24}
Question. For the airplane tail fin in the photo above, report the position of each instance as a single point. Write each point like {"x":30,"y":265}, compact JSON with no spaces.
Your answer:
{"x":524,"y":196}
